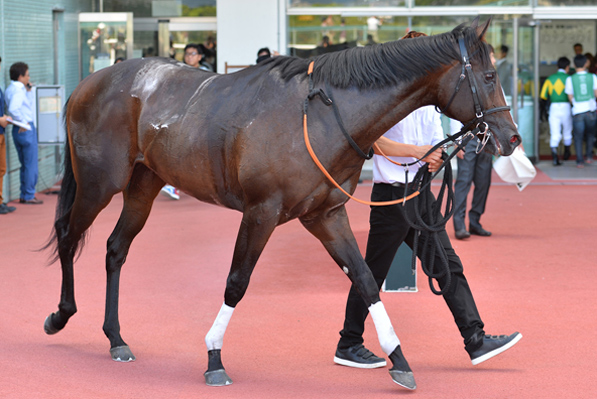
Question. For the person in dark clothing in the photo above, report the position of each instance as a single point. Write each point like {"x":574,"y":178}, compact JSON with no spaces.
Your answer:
{"x":406,"y":142}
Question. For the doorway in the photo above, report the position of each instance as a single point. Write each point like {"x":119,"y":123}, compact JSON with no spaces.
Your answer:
{"x":514,"y":42}
{"x":557,"y":39}
{"x":168,"y":37}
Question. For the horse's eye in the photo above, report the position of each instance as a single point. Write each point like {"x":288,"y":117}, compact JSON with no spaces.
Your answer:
{"x":489,"y":76}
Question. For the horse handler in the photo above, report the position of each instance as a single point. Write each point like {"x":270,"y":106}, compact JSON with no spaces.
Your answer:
{"x":406,"y":142}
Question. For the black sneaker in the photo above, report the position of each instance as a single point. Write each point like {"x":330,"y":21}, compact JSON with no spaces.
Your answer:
{"x":358,"y":356}
{"x":493,"y":345}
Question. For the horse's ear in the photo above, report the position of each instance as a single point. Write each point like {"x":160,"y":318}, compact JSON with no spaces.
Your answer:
{"x":481,"y":30}
{"x":475,"y":23}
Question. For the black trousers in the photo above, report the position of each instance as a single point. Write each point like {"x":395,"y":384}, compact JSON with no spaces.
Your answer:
{"x":388,"y":229}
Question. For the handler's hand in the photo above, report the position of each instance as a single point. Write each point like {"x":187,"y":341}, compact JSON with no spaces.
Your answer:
{"x":434,"y":159}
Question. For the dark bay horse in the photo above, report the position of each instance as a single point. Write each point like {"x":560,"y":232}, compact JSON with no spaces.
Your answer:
{"x":236,"y":140}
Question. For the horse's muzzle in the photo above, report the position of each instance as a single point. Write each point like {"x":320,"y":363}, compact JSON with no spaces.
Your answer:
{"x":501,"y":144}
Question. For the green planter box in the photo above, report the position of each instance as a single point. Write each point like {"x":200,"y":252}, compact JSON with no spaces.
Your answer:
{"x":400,"y":277}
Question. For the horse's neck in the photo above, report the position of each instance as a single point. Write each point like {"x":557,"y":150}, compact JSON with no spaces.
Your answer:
{"x":380,"y":110}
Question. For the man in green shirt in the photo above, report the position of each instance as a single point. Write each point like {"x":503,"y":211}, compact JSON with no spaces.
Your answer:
{"x":581,"y":89}
{"x":560,"y":115}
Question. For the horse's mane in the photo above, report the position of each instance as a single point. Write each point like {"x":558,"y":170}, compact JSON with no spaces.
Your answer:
{"x":384,"y":64}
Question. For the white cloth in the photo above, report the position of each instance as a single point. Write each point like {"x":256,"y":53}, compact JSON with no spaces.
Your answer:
{"x":516,"y":168}
{"x":583,"y":106}
{"x":421,"y":127}
{"x":20,"y":102}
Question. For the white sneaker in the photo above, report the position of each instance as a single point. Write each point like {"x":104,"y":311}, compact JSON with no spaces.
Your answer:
{"x":170,"y":191}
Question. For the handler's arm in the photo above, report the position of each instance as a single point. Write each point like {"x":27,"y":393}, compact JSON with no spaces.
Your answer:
{"x":393,"y":148}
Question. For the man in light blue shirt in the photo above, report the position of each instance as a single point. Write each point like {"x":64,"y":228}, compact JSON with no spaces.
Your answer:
{"x":19,"y":100}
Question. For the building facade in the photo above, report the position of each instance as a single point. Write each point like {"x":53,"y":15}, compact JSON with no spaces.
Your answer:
{"x":43,"y":34}
{"x":59,"y":41}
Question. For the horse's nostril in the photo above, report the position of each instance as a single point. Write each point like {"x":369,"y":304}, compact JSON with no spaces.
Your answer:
{"x":513,"y":140}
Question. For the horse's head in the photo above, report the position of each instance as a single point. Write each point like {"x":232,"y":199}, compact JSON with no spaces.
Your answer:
{"x":470,"y":90}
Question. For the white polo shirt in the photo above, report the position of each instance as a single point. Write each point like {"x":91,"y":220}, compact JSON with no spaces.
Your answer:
{"x":583,"y":106}
{"x":421,"y":127}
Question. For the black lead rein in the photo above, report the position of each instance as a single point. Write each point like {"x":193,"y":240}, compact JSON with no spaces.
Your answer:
{"x":429,"y":219}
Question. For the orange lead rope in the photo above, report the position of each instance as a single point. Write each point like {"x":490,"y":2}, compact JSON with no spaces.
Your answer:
{"x":331,"y":179}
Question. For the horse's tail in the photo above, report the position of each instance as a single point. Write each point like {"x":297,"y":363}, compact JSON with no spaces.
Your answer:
{"x":66,"y":199}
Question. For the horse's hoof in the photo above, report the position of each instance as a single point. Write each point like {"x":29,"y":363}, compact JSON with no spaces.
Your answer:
{"x":405,"y":379}
{"x":122,"y":354}
{"x":217,"y":378}
{"x":49,"y":327}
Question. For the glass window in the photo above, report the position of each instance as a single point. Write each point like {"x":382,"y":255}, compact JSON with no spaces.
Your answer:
{"x":102,"y":43}
{"x":310,"y":32}
{"x":310,"y":35}
{"x":433,"y":25}
{"x":479,"y":3}
{"x":346,"y":3}
{"x":145,"y":44}
{"x":179,"y":39}
{"x":558,"y":3}
{"x":163,"y":8}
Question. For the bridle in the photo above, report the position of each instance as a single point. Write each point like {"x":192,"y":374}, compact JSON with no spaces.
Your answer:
{"x":478,"y":121}
{"x":481,"y":127}
{"x":434,"y":222}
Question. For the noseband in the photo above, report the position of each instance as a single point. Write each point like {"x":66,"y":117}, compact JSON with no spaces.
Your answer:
{"x":478,"y":121}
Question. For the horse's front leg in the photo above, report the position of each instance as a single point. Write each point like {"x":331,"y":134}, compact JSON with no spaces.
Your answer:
{"x":138,"y":198}
{"x":255,"y":230}
{"x":333,"y":230}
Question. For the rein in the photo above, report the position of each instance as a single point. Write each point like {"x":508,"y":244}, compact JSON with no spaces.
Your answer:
{"x":328,"y":101}
{"x":429,"y":219}
{"x":457,"y":139}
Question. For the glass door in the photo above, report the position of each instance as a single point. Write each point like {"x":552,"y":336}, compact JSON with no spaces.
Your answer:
{"x":526,"y":109}
{"x":103,"y":38}
{"x":201,"y":30}
{"x":514,"y":42}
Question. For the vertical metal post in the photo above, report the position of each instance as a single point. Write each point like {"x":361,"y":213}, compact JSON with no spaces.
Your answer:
{"x":56,"y":15}
{"x":515,"y":69}
{"x":536,"y":44}
{"x":129,"y":35}
{"x":79,"y":55}
{"x":164,"y":38}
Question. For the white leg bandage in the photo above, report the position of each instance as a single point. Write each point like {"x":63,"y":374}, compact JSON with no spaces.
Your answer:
{"x":215,"y":337}
{"x":385,"y":332}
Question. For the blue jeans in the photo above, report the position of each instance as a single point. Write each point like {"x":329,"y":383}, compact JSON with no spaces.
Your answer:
{"x":583,"y":125}
{"x":26,"y":146}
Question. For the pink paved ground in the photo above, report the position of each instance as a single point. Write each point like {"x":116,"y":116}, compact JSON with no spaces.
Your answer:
{"x":536,"y":274}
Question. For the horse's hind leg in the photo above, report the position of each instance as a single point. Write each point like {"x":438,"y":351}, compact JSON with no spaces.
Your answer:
{"x":257,"y":226}
{"x":138,"y":198}
{"x":70,"y":229}
{"x":333,"y":230}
